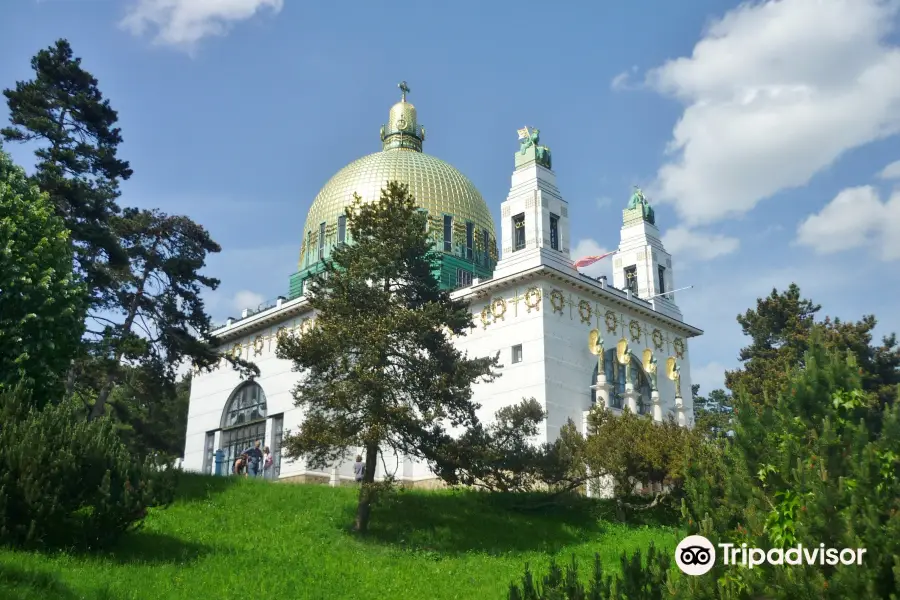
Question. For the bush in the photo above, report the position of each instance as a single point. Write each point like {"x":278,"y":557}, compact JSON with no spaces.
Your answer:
{"x":68,"y":482}
{"x":640,"y":580}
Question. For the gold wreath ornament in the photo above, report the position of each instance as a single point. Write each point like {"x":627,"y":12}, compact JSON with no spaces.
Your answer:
{"x":584,"y":311}
{"x":257,"y":345}
{"x":635,"y":329}
{"x":557,"y":300}
{"x":485,"y":314}
{"x":678,"y":344}
{"x":658,"y":339}
{"x":611,"y":321}
{"x":498,"y":308}
{"x":533,"y":298}
{"x":237,"y":350}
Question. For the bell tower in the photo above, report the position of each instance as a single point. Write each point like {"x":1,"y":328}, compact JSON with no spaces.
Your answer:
{"x":642,"y":265}
{"x":534,"y":217}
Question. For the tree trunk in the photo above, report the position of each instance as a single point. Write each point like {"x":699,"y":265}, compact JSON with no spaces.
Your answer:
{"x":366,"y":491}
{"x":100,"y":405}
{"x":70,"y":381}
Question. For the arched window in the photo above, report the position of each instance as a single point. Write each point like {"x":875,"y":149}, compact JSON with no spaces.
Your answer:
{"x":615,"y":376}
{"x":244,"y":420}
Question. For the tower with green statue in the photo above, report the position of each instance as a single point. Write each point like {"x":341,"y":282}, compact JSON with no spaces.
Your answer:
{"x":639,"y":208}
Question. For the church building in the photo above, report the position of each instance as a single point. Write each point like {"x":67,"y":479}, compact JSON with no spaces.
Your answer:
{"x":566,"y":339}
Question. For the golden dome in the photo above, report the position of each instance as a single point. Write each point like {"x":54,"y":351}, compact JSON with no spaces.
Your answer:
{"x":437,"y":186}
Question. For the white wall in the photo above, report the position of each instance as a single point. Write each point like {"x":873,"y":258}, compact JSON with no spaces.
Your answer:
{"x":556,"y":368}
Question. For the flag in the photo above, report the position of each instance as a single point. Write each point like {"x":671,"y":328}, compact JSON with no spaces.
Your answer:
{"x":523,"y":133}
{"x":589,"y":260}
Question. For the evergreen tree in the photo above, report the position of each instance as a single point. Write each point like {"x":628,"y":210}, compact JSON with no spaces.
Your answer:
{"x":380,"y":371}
{"x":141,"y":268}
{"x":807,"y":468}
{"x":780,"y":328}
{"x":712,"y":414}
{"x":151,"y":412}
{"x":41,"y":302}
{"x":64,"y":114}
{"x":163,"y":320}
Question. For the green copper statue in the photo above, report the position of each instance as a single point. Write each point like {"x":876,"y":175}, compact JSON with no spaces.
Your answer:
{"x":638,"y":200}
{"x":677,"y":379}
{"x":601,"y":367}
{"x":652,"y":368}
{"x":531,"y":138}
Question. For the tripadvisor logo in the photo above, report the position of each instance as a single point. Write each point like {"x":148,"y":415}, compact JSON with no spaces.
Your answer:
{"x":696,"y":555}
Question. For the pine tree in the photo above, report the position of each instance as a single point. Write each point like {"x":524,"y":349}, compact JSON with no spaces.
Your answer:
{"x":807,"y":469}
{"x":64,"y":113}
{"x":380,"y":371}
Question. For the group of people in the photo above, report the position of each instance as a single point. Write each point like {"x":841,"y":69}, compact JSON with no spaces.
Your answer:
{"x":254,"y":462}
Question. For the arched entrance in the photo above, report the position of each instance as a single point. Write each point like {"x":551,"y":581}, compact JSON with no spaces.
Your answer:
{"x":243,"y":421}
{"x":615,"y":376}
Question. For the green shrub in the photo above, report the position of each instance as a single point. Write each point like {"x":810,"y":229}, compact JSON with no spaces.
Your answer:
{"x":640,"y":580}
{"x":68,"y":482}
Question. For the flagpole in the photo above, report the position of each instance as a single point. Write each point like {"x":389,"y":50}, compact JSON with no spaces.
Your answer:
{"x":669,"y":292}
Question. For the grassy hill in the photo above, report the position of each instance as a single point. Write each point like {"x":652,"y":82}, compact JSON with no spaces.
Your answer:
{"x":228,"y":538}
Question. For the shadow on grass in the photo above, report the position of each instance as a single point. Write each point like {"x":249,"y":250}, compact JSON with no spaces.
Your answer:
{"x":194,"y":487}
{"x":22,"y":584}
{"x":149,"y":547}
{"x":467,"y":521}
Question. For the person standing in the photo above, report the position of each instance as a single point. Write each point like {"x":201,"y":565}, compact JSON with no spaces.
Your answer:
{"x":268,"y":463}
{"x":254,"y":456}
{"x":359,"y":469}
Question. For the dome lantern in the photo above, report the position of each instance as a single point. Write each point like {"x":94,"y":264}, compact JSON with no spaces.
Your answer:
{"x":402,"y":129}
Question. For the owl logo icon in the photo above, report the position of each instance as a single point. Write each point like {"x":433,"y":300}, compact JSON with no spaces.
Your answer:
{"x":695,"y":555}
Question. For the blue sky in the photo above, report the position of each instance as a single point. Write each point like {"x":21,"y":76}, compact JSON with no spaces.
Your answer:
{"x":764,"y":133}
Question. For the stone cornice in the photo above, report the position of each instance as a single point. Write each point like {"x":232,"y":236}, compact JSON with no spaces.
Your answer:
{"x":483,"y":290}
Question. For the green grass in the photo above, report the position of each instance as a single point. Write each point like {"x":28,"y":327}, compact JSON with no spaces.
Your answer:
{"x":227,"y":538}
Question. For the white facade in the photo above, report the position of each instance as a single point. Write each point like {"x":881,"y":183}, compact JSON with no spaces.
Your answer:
{"x":537,"y":311}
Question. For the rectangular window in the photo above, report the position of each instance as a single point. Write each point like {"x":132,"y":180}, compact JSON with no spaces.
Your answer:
{"x":321,"y":241}
{"x":448,"y":233}
{"x":470,"y":239}
{"x":238,"y":439}
{"x":277,"y":436}
{"x":209,"y":453}
{"x":463,"y":278}
{"x":662,"y":280}
{"x":518,"y":232}
{"x":631,"y":282}
{"x":517,"y":353}
{"x":486,"y":238}
{"x":342,"y":229}
{"x":554,"y":232}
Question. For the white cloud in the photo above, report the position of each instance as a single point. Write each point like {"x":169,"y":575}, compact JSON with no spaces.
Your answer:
{"x":775,"y":92}
{"x":622,"y":81}
{"x":604,"y":201}
{"x":247,"y":299}
{"x":892,"y":171}
{"x":681,"y":242}
{"x":855,"y":218}
{"x":589,"y":247}
{"x":710,"y":376}
{"x":185,"y":22}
